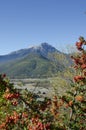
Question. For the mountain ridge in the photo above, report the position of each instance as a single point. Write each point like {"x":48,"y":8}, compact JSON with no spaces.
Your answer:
{"x":39,"y":61}
{"x":43,"y":49}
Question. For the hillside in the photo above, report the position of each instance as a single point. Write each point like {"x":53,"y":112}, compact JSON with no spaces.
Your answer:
{"x":39,"y":61}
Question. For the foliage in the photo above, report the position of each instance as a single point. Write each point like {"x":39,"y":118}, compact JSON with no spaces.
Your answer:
{"x":75,"y":99}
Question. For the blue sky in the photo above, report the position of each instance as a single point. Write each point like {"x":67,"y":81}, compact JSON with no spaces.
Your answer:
{"x":24,"y":23}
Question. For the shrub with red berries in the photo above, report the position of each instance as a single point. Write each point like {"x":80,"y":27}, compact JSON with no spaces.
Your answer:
{"x":75,"y":99}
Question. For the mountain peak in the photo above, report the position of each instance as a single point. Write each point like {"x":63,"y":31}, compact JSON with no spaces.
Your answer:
{"x":43,"y":47}
{"x":44,"y":44}
{"x":48,"y":47}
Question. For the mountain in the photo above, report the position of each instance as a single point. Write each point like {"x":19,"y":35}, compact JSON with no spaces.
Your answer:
{"x":37,"y":61}
{"x":43,"y":50}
